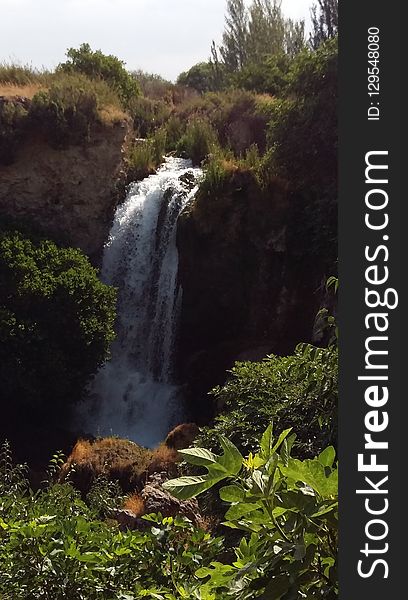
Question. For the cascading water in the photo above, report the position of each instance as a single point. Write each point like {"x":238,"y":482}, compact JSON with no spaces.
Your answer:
{"x":133,"y":395}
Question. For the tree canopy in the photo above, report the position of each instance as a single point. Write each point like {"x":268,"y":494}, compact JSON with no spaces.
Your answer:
{"x":56,"y":323}
{"x":96,"y":65}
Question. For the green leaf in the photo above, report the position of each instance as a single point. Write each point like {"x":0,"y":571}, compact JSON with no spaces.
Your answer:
{"x":232,"y":493}
{"x":184,"y":488}
{"x":266,"y":444}
{"x":199,"y":456}
{"x":232,"y":458}
{"x":312,"y":473}
{"x":326,"y":458}
{"x":282,"y":436}
{"x":236,"y":511}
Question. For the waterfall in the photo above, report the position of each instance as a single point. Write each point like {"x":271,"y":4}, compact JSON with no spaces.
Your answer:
{"x":133,"y":395}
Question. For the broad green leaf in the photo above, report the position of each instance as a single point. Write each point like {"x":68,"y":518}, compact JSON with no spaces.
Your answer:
{"x":259,"y":481}
{"x":218,"y":572}
{"x":238,"y":510}
{"x":282,"y":436}
{"x":199,"y":456}
{"x":312,"y":473}
{"x":184,"y":488}
{"x":232,"y":493}
{"x":326,"y":458}
{"x":232,"y":458}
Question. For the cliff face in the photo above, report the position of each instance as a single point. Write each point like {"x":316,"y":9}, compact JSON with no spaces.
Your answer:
{"x":250,"y":286}
{"x":67,"y":194}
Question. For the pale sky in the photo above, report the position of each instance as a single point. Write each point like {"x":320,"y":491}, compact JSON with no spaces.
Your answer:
{"x":159,"y":36}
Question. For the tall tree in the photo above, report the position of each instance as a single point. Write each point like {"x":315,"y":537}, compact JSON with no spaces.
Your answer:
{"x":266,"y":27}
{"x":325,"y":16}
{"x":295,"y":39}
{"x":234,"y":39}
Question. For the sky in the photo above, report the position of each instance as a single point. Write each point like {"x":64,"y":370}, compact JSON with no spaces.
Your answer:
{"x":158,"y":36}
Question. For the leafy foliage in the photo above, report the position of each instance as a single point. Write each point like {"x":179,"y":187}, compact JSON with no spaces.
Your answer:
{"x":145,"y":155}
{"x":52,"y":545}
{"x":325,"y":21}
{"x":66,"y":112}
{"x":298,"y":391}
{"x":199,"y":140}
{"x":96,"y":65}
{"x":253,"y":32}
{"x":56,"y":324}
{"x":288,"y":511}
{"x":200,"y":77}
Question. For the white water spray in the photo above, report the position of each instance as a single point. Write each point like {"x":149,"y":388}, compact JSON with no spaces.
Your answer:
{"x":133,"y":395}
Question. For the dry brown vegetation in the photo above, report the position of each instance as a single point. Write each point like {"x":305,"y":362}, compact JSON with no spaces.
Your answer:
{"x":135,"y":504}
{"x":112,"y":457}
{"x":123,"y":460}
{"x":163,"y":459}
{"x":9,"y":90}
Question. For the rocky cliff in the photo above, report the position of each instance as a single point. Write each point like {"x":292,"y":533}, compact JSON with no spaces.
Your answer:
{"x":68,"y":194}
{"x":251,"y":284}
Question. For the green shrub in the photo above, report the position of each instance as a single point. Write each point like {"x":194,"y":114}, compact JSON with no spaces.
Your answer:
{"x":268,"y":76}
{"x":140,"y":161}
{"x":298,"y":391}
{"x":175,"y":128}
{"x":282,"y":510}
{"x":239,"y":118}
{"x":96,"y":65}
{"x":148,"y":114}
{"x":288,"y":511}
{"x":217,"y":171}
{"x":201,"y":77}
{"x":303,"y":128}
{"x":145,"y":156}
{"x":52,"y":545}
{"x":56,"y":326}
{"x":154,"y":86}
{"x":198,"y":141}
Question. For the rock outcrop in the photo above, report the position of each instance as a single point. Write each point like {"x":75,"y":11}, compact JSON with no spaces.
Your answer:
{"x":182,"y":436}
{"x":251,"y":281}
{"x":67,"y":194}
{"x":154,"y":499}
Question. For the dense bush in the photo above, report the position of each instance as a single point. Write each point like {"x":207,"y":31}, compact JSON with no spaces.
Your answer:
{"x":148,"y":114}
{"x":144,"y":156}
{"x":53,"y":544}
{"x":65,"y":112}
{"x":154,"y":86}
{"x":287,"y":508}
{"x":201,"y":77}
{"x":96,"y":65}
{"x":298,"y":391}
{"x":56,"y":326}
{"x":199,"y":140}
{"x":303,"y":129}
{"x":268,"y":76}
{"x":240,"y":118}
